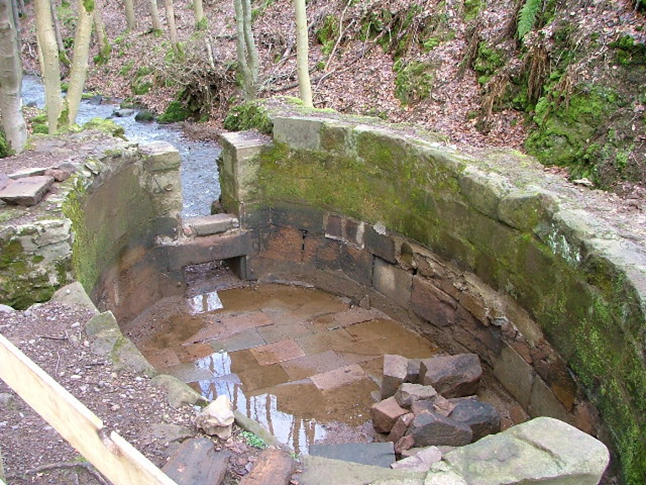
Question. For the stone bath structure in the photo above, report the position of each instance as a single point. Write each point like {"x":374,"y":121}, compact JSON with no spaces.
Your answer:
{"x":486,"y":254}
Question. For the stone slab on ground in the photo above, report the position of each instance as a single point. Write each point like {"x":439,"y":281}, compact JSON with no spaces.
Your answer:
{"x":196,"y":462}
{"x":324,"y":471}
{"x":274,"y":467}
{"x":374,"y":454}
{"x":339,"y":377}
{"x":213,"y":224}
{"x":26,"y":191}
{"x":278,"y":352}
{"x":310,"y":365}
{"x":453,"y":375}
{"x":541,"y":451}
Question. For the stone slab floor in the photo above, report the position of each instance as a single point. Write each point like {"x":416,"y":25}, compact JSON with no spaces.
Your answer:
{"x":301,"y":361}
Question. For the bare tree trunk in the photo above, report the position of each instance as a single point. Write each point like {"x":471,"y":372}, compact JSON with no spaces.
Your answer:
{"x":49,"y":67}
{"x":62,"y":53}
{"x":101,"y":35}
{"x":15,"y":13}
{"x":13,"y":123}
{"x":200,"y":20}
{"x":79,"y":61}
{"x":172,"y":28}
{"x":246,"y":49}
{"x":131,"y":21}
{"x":302,"y":49}
{"x":154,"y":15}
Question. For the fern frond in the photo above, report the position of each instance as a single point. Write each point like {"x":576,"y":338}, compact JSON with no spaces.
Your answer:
{"x":527,"y":16}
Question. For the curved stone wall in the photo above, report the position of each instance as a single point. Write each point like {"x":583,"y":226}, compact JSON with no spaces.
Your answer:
{"x":487,"y":253}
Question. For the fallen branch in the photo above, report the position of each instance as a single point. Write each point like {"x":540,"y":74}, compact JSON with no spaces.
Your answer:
{"x":65,"y":465}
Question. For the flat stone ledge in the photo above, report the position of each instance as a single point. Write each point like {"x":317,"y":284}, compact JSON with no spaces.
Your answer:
{"x":161,"y":156}
{"x":213,"y":224}
{"x":26,"y":191}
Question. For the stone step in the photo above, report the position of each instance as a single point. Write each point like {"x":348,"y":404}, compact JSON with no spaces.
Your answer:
{"x":205,"y":249}
{"x":325,"y":471}
{"x":374,"y":454}
{"x":209,"y":225}
{"x":274,"y":467}
{"x":196,"y":462}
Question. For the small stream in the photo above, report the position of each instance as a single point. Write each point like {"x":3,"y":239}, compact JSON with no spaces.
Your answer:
{"x":200,"y":182}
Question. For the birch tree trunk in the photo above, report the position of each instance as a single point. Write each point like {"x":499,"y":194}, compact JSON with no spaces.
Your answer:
{"x":49,"y":67}
{"x":13,"y":123}
{"x":15,"y":13}
{"x":172,"y":28}
{"x":302,"y":53}
{"x":154,"y":15}
{"x":200,"y":21}
{"x":131,"y":21}
{"x":246,"y":49}
{"x":101,"y":35}
{"x":79,"y":61}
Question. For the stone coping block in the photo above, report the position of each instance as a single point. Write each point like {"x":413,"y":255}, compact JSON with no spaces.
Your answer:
{"x":213,"y":224}
{"x":374,"y":454}
{"x":541,"y":451}
{"x":160,"y":155}
{"x":26,"y":191}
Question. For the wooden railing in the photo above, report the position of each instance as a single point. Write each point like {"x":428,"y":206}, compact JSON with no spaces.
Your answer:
{"x":113,"y":456}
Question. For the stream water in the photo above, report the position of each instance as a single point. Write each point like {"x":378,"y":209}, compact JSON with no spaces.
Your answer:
{"x":200,"y":183}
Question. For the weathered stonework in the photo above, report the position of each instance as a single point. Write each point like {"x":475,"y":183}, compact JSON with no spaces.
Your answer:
{"x":488,"y":255}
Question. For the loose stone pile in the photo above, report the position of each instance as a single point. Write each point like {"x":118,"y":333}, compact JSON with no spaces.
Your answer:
{"x":432,"y":402}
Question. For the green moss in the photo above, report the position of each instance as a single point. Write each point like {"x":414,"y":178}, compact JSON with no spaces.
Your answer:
{"x":141,"y":87}
{"x":471,"y":9}
{"x":413,"y":81}
{"x":127,"y":67}
{"x":5,"y":149}
{"x":565,"y":130}
{"x":628,"y":52}
{"x":248,"y":116}
{"x":487,"y":62}
{"x":107,"y":126}
{"x":202,"y":25}
{"x":328,"y":33}
{"x":175,"y":112}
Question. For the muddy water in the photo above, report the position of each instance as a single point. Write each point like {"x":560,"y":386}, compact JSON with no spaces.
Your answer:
{"x":300,"y":361}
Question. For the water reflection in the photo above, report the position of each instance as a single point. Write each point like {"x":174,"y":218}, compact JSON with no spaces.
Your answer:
{"x":207,"y":302}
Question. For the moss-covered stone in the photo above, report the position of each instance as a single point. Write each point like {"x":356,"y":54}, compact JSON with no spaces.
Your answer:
{"x":107,"y":126}
{"x":175,"y":112}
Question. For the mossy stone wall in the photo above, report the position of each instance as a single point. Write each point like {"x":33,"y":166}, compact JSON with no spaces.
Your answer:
{"x":495,"y":216}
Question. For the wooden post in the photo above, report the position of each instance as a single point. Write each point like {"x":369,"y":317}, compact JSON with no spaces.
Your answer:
{"x":113,"y":456}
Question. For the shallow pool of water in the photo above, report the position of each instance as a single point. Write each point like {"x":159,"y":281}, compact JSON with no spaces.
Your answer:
{"x":302,"y":362}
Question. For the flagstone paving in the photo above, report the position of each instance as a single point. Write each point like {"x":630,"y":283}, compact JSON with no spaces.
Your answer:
{"x":301,"y":361}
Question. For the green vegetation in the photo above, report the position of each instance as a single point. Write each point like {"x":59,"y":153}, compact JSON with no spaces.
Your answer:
{"x":253,"y":440}
{"x":413,"y":81}
{"x":328,"y":34}
{"x":141,"y":87}
{"x":175,"y":112}
{"x":107,"y":126}
{"x":248,"y":116}
{"x":629,"y":53}
{"x":528,"y":16}
{"x":472,"y":9}
{"x":488,"y":61}
{"x":5,"y":149}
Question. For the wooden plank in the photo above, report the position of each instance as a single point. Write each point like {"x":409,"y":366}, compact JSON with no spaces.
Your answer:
{"x":197,"y":463}
{"x":113,"y":456}
{"x":274,"y":467}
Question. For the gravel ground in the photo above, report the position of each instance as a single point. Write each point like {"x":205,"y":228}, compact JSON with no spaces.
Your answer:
{"x":52,"y":335}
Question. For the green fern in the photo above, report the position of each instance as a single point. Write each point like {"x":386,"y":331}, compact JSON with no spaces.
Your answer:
{"x":527,"y":16}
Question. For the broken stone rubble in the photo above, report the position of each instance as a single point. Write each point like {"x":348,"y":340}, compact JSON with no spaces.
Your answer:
{"x":217,"y":418}
{"x":417,"y":415}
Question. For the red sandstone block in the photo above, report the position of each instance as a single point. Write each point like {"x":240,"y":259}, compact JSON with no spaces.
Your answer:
{"x":385,"y":414}
{"x":394,"y":375}
{"x":452,"y":376}
{"x":401,"y":426}
{"x":432,"y":304}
